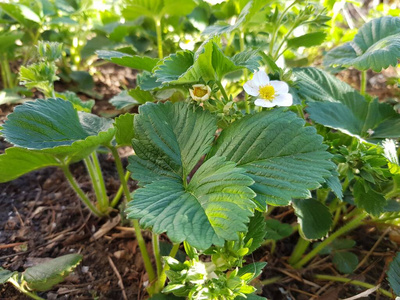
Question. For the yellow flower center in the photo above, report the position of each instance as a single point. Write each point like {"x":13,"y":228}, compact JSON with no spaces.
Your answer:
{"x":199,"y":91}
{"x":267,"y":92}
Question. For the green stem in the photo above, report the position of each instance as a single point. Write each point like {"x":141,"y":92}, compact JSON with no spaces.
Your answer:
{"x":120,"y":191}
{"x":349,"y":226}
{"x":245,"y":74}
{"x":99,"y":175}
{"x":159,"y":38}
{"x":139,"y":237}
{"x":301,"y":112}
{"x":353,"y":282}
{"x":92,"y":174}
{"x":7,"y":72}
{"x":163,"y":276}
{"x":271,"y":280}
{"x":363,"y":84}
{"x":3,"y":75}
{"x":157,"y":254}
{"x":79,"y":191}
{"x":223,"y":92}
{"x":299,"y":250}
{"x":23,"y":290}
{"x":276,"y":28}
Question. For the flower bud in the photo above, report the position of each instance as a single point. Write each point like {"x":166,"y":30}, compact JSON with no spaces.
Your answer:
{"x":200,"y":92}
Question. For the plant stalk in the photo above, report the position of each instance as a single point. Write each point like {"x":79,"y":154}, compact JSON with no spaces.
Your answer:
{"x":363,"y":83}
{"x":120,"y":191}
{"x":163,"y":276}
{"x":223,"y":92}
{"x":353,"y":282}
{"x":299,"y":250}
{"x":157,"y":254}
{"x":80,"y":193}
{"x":349,"y":226}
{"x":159,"y":38}
{"x":92,"y":174}
{"x":105,"y":203}
{"x":139,"y":237}
{"x":24,"y":291}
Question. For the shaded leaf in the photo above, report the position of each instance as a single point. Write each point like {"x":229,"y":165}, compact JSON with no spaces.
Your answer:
{"x":376,"y":46}
{"x":394,"y":274}
{"x":253,"y":268}
{"x":124,"y":132}
{"x":256,"y":231}
{"x":5,"y":275}
{"x":276,"y":230}
{"x":368,"y":199}
{"x":314,"y":218}
{"x":345,"y":262}
{"x":44,"y":276}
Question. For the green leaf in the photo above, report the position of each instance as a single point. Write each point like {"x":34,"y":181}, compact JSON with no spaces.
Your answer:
{"x":390,"y":152}
{"x":307,"y":40}
{"x":169,"y":141}
{"x":212,"y":208}
{"x":253,"y":268}
{"x":44,"y":276}
{"x":19,"y":161}
{"x":335,"y":185}
{"x":123,"y":101}
{"x":334,"y":104}
{"x":314,"y":218}
{"x":376,"y":46}
{"x":337,"y":244}
{"x":124,"y":132}
{"x":53,"y":133}
{"x":132,"y":61}
{"x":5,"y":275}
{"x":276,"y":230}
{"x":8,"y":39}
{"x":147,"y":82}
{"x":21,"y":13}
{"x":249,"y":59}
{"x":256,"y":231}
{"x":394,"y":274}
{"x":250,"y":297}
{"x":78,"y":104}
{"x":345,"y":262}
{"x":368,"y":199}
{"x":284,"y":158}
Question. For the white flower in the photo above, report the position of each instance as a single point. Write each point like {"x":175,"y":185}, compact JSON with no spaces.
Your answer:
{"x":269,"y":93}
{"x":200,"y":92}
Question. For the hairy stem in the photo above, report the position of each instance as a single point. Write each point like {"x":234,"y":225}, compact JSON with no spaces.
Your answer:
{"x":353,"y":282}
{"x":363,"y":84}
{"x":80,"y":193}
{"x":139,"y":237}
{"x":349,"y":226}
{"x":157,"y":254}
{"x":23,"y":290}
{"x":299,"y":250}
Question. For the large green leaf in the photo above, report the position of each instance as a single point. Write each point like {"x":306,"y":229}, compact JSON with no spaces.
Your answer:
{"x":124,"y":129}
{"x":21,"y":13}
{"x":50,"y":133}
{"x":16,"y":162}
{"x":376,"y":46}
{"x":335,"y":104}
{"x":314,"y":218}
{"x":368,"y":199}
{"x":212,"y":208}
{"x":256,"y":231}
{"x":394,"y":274}
{"x":169,"y":141}
{"x":44,"y":276}
{"x":307,"y":40}
{"x":284,"y":158}
{"x":132,"y":61}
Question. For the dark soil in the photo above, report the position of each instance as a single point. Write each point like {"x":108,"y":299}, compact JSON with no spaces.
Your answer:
{"x":41,"y":218}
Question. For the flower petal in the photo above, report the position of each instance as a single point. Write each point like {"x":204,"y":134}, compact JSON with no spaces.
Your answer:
{"x":251,"y":88}
{"x":261,"y":78}
{"x":284,"y":100}
{"x":280,"y":87}
{"x":264,"y":103}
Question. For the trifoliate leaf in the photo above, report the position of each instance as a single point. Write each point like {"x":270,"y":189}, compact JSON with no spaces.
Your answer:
{"x":345,"y":262}
{"x":335,"y":104}
{"x":132,"y":61}
{"x":44,"y":276}
{"x":284,"y":158}
{"x":212,"y":208}
{"x":376,"y":46}
{"x":394,"y":274}
{"x":314,"y":218}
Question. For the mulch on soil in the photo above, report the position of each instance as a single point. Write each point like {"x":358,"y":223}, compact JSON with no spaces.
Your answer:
{"x":41,"y":218}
